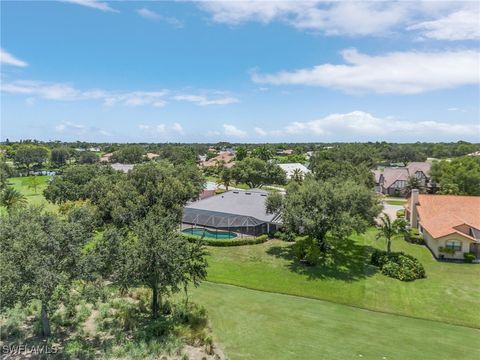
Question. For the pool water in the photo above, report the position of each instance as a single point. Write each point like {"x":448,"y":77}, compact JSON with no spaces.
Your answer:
{"x":209,"y":234}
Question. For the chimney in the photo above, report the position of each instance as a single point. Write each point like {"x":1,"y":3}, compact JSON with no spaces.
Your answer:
{"x":413,"y":209}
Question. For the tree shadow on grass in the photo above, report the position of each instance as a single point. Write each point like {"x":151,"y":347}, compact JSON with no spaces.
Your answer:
{"x":347,"y":261}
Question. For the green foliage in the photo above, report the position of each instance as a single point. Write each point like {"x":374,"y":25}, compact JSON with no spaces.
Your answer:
{"x":88,"y":157}
{"x":129,"y":154}
{"x":256,"y":173}
{"x":227,"y":242}
{"x":400,"y":213}
{"x":274,"y":202}
{"x":28,"y":155}
{"x":316,"y":208}
{"x":6,"y":171}
{"x":404,"y":153}
{"x":263,"y":152}
{"x":341,"y":170}
{"x":469,"y":257}
{"x":398,"y":265}
{"x":59,"y":156}
{"x":414,"y":237}
{"x":241,"y":153}
{"x":306,"y":250}
{"x":12,"y":199}
{"x":460,"y":176}
{"x":389,"y":229}
{"x":446,"y":250}
{"x":41,"y":252}
{"x":32,"y":182}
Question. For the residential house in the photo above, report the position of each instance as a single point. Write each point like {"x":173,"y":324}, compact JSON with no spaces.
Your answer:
{"x":122,"y":167}
{"x":284,"y":152}
{"x":291,"y":168}
{"x":393,"y":180}
{"x":449,"y":224}
{"x":151,"y":156}
{"x":106,"y":157}
{"x":225,"y":157}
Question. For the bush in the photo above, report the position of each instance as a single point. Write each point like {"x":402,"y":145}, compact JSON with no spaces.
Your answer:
{"x":306,"y":250}
{"x":400,"y":213}
{"x":398,"y":265}
{"x":445,"y":250}
{"x":228,"y":242}
{"x":469,"y":257}
{"x":414,"y":237}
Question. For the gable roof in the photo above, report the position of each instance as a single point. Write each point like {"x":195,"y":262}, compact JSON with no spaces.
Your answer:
{"x":441,"y":215}
{"x":391,"y":175}
{"x":291,"y":167}
{"x":413,"y":167}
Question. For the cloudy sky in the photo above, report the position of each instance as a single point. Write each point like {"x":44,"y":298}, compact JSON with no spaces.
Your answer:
{"x":240,"y":71}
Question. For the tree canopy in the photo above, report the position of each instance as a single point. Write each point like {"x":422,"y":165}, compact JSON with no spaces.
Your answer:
{"x":459,"y":176}
{"x":256,"y":173}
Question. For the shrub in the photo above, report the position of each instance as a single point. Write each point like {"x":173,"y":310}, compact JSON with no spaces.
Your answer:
{"x":414,"y":237}
{"x":469,"y":257}
{"x":228,"y":242}
{"x":446,"y":250}
{"x":306,"y":250}
{"x":398,"y":265}
{"x":401,"y":213}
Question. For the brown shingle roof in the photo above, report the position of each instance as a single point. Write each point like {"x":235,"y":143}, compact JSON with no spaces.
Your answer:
{"x":441,"y":214}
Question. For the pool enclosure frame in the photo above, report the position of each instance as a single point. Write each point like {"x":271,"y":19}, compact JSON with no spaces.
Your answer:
{"x":213,"y":220}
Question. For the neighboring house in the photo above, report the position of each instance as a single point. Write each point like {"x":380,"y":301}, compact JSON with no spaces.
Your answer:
{"x":291,"y":167}
{"x":239,"y":211}
{"x":122,"y":167}
{"x":151,"y":156}
{"x":476,"y":153}
{"x":449,"y":222}
{"x":284,"y":152}
{"x":225,"y":156}
{"x":106,"y":157}
{"x":94,"y":149}
{"x":393,"y":180}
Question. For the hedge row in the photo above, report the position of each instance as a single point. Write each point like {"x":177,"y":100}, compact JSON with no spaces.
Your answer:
{"x":228,"y":242}
{"x":398,"y":265}
{"x":414,"y":237}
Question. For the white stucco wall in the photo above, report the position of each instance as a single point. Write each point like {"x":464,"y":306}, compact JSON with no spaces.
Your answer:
{"x":435,"y":244}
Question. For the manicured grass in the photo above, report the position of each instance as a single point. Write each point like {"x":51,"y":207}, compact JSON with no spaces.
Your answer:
{"x":395,"y":202}
{"x":450,"y":293}
{"x":251,"y":324}
{"x":21,"y":184}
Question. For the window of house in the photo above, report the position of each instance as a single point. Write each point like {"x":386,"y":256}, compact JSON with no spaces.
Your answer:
{"x":454,"y":245}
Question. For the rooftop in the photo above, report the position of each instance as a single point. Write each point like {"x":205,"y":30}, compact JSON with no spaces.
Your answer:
{"x":249,"y":203}
{"x":440,"y":215}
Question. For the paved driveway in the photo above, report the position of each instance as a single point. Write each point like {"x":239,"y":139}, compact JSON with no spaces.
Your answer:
{"x":391,"y":210}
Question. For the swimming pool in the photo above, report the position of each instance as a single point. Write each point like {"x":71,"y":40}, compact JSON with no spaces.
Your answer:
{"x":210,"y":234}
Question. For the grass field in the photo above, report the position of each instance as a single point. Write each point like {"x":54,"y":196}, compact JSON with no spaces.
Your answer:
{"x":33,"y":198}
{"x":251,"y":324}
{"x":450,"y":293}
{"x":395,"y":201}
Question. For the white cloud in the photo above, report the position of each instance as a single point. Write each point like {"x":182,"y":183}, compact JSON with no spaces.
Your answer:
{"x":260,"y":131}
{"x":359,"y":125}
{"x":66,"y":92}
{"x":205,"y":101}
{"x":398,"y":72}
{"x":152,"y":15}
{"x":70,"y":127}
{"x":94,"y":4}
{"x":460,"y":25}
{"x":8,"y":59}
{"x":231,"y":130}
{"x":149,"y":14}
{"x":161,"y":129}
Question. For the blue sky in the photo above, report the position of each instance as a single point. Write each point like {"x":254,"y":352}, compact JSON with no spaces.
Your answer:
{"x":240,"y":71}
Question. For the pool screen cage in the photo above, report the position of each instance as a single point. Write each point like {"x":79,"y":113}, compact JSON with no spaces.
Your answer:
{"x":244,"y":225}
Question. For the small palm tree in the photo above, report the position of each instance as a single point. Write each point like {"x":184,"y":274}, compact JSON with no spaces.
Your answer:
{"x":11,"y":199}
{"x":388,"y":229}
{"x":297,"y":175}
{"x":226,"y":177}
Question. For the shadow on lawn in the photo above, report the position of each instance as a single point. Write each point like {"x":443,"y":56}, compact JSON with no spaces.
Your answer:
{"x":347,"y":261}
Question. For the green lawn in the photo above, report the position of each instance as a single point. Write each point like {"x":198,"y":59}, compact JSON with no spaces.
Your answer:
{"x":251,"y":324}
{"x":450,"y":293}
{"x":20,"y":184}
{"x":395,"y":201}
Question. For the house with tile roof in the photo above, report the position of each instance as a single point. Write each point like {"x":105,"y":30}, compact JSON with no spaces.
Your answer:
{"x":449,"y":224}
{"x":393,"y":180}
{"x":224,"y":157}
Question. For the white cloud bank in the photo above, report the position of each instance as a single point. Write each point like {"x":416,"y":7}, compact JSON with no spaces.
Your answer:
{"x":76,"y":129}
{"x":66,"y":92}
{"x":8,"y":59}
{"x":233,"y":131}
{"x":451,"y":20}
{"x":152,"y":15}
{"x":397,"y":72}
{"x":359,"y":125}
{"x":162,"y":129}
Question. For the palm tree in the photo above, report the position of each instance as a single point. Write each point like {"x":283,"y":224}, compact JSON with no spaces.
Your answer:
{"x":388,"y":229}
{"x":226,"y":177}
{"x":297,"y":175}
{"x":263,"y":152}
{"x":11,"y":198}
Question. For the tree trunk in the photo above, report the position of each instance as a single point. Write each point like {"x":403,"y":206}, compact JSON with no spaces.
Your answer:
{"x":154,"y":301}
{"x":45,"y":321}
{"x":389,"y":245}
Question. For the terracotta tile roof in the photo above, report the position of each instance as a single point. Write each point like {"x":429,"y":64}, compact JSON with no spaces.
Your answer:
{"x":441,"y":214}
